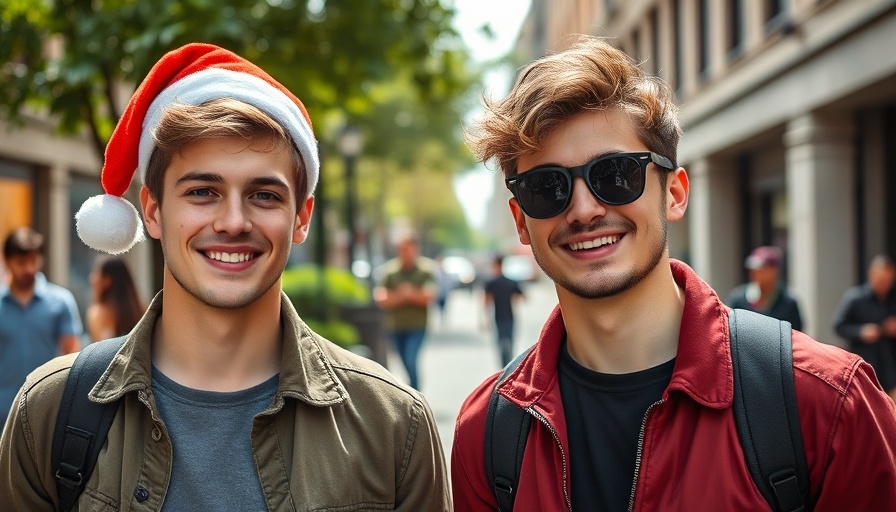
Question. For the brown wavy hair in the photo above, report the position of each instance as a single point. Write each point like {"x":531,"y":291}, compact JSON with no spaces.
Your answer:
{"x":182,"y":125}
{"x":590,"y":75}
{"x":120,"y":295}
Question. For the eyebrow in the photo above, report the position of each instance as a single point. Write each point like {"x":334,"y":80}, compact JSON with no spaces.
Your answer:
{"x":199,"y":176}
{"x":269,"y":181}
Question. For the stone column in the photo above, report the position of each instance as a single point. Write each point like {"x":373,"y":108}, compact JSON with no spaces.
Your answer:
{"x":714,"y":221}
{"x":60,"y":226}
{"x":820,"y":183}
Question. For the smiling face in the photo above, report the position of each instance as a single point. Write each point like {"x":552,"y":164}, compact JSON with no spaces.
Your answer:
{"x":228,"y":220}
{"x":591,"y":249}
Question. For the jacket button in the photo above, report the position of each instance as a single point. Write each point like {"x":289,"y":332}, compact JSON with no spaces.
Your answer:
{"x":141,"y":494}
{"x":156,"y":434}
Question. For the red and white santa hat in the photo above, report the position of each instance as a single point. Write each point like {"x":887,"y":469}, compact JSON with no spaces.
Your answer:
{"x":193,"y":74}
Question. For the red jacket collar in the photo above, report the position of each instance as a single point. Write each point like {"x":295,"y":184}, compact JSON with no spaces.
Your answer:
{"x":702,"y":366}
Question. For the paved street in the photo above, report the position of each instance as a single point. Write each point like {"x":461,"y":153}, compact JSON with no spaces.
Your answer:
{"x":459,"y":353}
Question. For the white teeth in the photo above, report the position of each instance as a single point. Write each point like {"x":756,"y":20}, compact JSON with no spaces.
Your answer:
{"x":229,"y":257}
{"x":593,"y":244}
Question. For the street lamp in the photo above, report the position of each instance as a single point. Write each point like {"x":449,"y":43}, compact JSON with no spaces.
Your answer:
{"x":351,"y":141}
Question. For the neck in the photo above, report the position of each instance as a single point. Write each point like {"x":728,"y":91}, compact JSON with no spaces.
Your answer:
{"x":22,"y":294}
{"x":209,"y":348}
{"x":631,"y":331}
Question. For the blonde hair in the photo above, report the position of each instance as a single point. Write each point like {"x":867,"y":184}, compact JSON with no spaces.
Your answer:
{"x":590,"y":75}
{"x":183,"y":125}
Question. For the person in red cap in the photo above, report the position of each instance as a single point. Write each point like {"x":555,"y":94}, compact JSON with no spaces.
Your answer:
{"x":227,"y":400}
{"x":765,"y":293}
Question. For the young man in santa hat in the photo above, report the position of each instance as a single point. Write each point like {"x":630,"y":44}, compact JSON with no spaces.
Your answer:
{"x":227,"y":400}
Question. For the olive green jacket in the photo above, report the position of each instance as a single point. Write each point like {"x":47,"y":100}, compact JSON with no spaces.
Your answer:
{"x":341,"y":434}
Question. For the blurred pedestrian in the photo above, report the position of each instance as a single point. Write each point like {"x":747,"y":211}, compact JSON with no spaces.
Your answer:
{"x":445,"y":283}
{"x":226,"y":399}
{"x":500,"y":294}
{"x":765,"y":292}
{"x":866,"y":319}
{"x":407,"y":287}
{"x":39,"y":320}
{"x":115,"y":307}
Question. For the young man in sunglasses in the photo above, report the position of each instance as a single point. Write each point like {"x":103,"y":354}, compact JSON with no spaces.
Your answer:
{"x":630,"y":384}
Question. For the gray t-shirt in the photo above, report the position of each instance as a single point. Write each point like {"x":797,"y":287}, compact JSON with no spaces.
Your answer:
{"x":210,"y":431}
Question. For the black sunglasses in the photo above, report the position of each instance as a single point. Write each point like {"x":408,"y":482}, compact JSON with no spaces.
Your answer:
{"x":615,"y":179}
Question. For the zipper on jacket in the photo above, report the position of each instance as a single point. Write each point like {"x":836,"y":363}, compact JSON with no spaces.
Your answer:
{"x":631,"y":498}
{"x":553,"y":432}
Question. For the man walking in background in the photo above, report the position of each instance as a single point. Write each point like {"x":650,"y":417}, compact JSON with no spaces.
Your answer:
{"x":39,"y":320}
{"x":765,"y":293}
{"x":866,"y":319}
{"x":500,"y":293}
{"x":407,"y":287}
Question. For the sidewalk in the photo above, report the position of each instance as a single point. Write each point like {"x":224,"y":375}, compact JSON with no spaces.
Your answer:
{"x":459,"y":355}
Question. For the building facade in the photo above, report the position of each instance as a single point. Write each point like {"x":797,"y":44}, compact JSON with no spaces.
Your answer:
{"x":44,"y":179}
{"x":789,"y":116}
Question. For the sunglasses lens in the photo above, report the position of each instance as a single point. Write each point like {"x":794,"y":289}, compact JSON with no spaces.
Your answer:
{"x":617,"y":180}
{"x":543,"y":193}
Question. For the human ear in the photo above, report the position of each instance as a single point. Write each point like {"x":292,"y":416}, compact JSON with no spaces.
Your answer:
{"x":303,"y":221}
{"x":152,"y":215}
{"x":519,"y":219}
{"x":677,"y":190}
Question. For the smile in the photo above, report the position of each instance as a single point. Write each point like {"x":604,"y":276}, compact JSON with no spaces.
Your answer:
{"x":229,"y":257}
{"x":594,"y":244}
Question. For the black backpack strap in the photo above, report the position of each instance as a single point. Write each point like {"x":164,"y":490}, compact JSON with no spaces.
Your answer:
{"x":506,"y":432}
{"x":81,"y":424}
{"x":765,"y":409}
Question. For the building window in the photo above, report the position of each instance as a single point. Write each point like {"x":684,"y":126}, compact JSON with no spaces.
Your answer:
{"x":637,"y":54}
{"x":776,"y":16}
{"x":676,"y":46}
{"x":703,"y":38}
{"x":773,"y":8}
{"x":655,"y":41}
{"x":735,"y":29}
{"x":611,"y":6}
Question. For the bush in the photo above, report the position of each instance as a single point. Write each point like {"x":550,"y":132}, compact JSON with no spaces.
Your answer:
{"x":320,"y":309}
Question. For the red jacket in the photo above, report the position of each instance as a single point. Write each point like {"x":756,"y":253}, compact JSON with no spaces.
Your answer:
{"x":692,"y":457}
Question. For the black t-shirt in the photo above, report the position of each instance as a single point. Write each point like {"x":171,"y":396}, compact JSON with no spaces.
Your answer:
{"x":604,"y":413}
{"x":502,"y":289}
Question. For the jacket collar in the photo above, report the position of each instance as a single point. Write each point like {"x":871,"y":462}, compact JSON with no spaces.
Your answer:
{"x":306,"y":373}
{"x":702,"y":365}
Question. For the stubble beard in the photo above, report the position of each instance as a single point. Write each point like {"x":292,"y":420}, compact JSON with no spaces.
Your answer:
{"x":598,"y":285}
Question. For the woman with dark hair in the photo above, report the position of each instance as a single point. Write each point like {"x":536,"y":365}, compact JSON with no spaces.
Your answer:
{"x":115,"y":307}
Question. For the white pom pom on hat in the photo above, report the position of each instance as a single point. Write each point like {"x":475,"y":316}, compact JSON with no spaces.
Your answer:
{"x":192,"y":74}
{"x":114,"y":224}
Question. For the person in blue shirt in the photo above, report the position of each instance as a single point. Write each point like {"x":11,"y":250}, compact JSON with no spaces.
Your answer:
{"x":38,"y":319}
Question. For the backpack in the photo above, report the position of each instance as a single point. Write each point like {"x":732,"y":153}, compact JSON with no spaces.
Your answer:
{"x":764,"y":410}
{"x":82,"y":425}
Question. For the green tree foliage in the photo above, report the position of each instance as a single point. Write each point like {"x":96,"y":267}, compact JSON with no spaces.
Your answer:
{"x":70,"y":56}
{"x":396,"y":69}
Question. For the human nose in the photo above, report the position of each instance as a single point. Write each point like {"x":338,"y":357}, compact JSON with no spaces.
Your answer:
{"x":233,"y":218}
{"x":583,"y":205}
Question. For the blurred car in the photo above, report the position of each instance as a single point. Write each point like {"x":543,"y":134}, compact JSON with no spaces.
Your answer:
{"x":520,"y":268}
{"x":460,"y":270}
